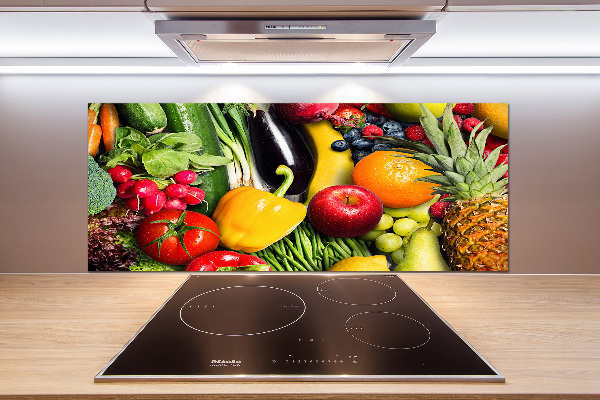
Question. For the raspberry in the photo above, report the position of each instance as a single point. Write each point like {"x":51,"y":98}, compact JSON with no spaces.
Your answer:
{"x":470,"y":123}
{"x":372,"y":130}
{"x":415,"y":132}
{"x":463,"y":108}
{"x":459,"y":121}
{"x":438,"y":209}
{"x":427,"y":141}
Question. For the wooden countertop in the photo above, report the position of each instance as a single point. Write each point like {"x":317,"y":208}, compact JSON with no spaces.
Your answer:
{"x":542,"y":332}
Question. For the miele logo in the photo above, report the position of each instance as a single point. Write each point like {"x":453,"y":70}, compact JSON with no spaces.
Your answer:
{"x":225,"y":363}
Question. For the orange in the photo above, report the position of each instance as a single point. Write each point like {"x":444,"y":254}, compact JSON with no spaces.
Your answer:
{"x":391,"y":176}
{"x":493,"y":113}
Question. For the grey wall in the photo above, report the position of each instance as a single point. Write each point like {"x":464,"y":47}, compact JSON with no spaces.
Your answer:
{"x":554,"y":186}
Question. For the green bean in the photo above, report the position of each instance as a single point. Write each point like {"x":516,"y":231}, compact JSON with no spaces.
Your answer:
{"x":295,"y":252}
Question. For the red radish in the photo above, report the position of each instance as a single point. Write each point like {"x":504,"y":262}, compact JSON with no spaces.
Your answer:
{"x":125,"y":190}
{"x":304,"y":113}
{"x":144,"y":187}
{"x":133,"y":203}
{"x":194,"y":196}
{"x":119,"y":174}
{"x":175,"y":204}
{"x":185,"y":177}
{"x":176,"y":190}
{"x":154,"y":201}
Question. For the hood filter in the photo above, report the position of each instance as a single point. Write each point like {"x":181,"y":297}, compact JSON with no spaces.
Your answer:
{"x":295,"y":50}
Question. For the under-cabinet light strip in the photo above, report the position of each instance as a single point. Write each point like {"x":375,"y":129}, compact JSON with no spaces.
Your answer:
{"x":465,"y":66}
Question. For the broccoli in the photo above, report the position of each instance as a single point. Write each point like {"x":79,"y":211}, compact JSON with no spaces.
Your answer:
{"x":101,"y":191}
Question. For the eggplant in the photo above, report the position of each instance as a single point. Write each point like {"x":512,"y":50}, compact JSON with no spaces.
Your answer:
{"x":276,"y":142}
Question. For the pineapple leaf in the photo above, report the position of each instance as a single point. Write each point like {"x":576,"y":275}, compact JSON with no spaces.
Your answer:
{"x":463,"y":187}
{"x":500,"y":184}
{"x":458,"y":148}
{"x":445,"y":190}
{"x":447,"y":163}
{"x":480,"y":168}
{"x":447,"y":119}
{"x":488,"y":188}
{"x":486,"y":179}
{"x":471,"y":177}
{"x":429,"y":160}
{"x":434,"y":134}
{"x":407,"y":144}
{"x":454,"y":177}
{"x":492,"y":158}
{"x":451,"y":199}
{"x":465,"y":194}
{"x":475,"y":193}
{"x":498,"y":172}
{"x":437,"y":179}
{"x":463,"y":165}
{"x":482,"y":137}
{"x":476,"y":186}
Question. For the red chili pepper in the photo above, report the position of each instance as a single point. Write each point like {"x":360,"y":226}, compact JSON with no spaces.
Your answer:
{"x":215,"y":260}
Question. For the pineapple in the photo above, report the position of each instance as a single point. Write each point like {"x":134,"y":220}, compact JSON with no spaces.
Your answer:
{"x":475,"y":228}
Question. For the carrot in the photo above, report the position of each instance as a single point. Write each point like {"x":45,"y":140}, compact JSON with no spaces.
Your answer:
{"x":94,"y":136}
{"x":109,"y":120}
{"x":91,"y":117}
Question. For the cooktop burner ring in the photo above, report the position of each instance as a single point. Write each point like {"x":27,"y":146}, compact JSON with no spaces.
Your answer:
{"x":420,"y":336}
{"x":296,"y":308}
{"x":389,"y":295}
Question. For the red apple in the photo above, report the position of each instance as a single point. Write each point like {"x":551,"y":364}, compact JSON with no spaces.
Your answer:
{"x":344,"y":211}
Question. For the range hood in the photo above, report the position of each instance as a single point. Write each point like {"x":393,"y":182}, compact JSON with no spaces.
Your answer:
{"x":388,"y":42}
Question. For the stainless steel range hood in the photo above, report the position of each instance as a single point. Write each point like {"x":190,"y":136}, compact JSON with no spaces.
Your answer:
{"x":388,"y":42}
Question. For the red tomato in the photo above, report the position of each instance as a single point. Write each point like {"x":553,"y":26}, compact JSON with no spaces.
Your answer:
{"x":177,"y":236}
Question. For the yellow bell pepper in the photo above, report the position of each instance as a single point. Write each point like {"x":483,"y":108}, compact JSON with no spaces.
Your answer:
{"x":250,"y":219}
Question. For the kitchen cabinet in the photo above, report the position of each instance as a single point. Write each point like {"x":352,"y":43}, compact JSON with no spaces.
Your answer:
{"x":540,"y":331}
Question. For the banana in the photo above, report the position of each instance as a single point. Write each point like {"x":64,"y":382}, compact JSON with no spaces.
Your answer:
{"x":331,"y":167}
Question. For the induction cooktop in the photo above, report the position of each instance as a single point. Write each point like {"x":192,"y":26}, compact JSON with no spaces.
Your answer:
{"x":297,"y":327}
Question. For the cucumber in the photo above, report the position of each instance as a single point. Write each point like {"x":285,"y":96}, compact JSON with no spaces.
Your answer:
{"x":145,"y":117}
{"x":191,"y":117}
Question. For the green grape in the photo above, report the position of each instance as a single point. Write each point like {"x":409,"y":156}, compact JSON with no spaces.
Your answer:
{"x":398,"y":255}
{"x":371,"y":235}
{"x":388,"y":242}
{"x":420,"y":213}
{"x":436,"y":228}
{"x":405,"y":226}
{"x":397,"y":212}
{"x":385,"y":223}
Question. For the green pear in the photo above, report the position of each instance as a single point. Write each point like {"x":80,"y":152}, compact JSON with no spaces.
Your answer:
{"x":422,"y":252}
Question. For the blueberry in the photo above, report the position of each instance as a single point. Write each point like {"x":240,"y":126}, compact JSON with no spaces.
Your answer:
{"x":362,"y":144}
{"x":406,"y":124}
{"x":352,"y":135}
{"x":370,"y":118}
{"x":340,"y":145}
{"x":380,"y":120}
{"x":382,"y":146}
{"x":397,"y":135}
{"x":359,"y":155}
{"x":392,"y":126}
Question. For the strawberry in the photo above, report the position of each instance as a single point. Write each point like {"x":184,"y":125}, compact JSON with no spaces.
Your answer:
{"x":372,"y":130}
{"x":438,"y":209}
{"x":415,"y":132}
{"x":463,"y":108}
{"x":346,"y":118}
{"x":378,"y":108}
{"x":470,"y":123}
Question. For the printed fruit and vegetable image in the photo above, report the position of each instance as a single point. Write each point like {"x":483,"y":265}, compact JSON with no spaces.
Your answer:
{"x":298,"y":187}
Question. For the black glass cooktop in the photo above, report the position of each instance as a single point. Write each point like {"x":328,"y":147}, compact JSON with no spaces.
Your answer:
{"x":297,"y":326}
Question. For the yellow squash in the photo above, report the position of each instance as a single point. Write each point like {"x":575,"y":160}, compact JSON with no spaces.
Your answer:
{"x":331,"y":167}
{"x":250,"y":219}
